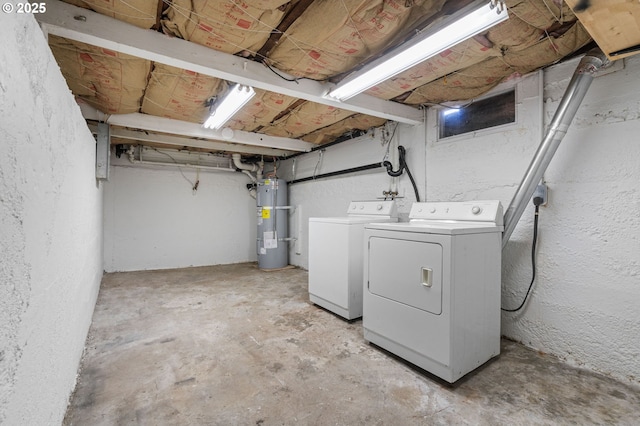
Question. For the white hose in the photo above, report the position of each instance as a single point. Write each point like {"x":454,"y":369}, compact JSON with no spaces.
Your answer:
{"x":243,"y":166}
{"x":248,"y":173}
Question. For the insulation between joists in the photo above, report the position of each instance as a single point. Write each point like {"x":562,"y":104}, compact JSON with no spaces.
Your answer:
{"x":329,"y":38}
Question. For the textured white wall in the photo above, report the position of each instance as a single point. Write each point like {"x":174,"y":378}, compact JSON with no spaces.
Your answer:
{"x":50,"y":229}
{"x":154,"y":221}
{"x":452,"y":170}
{"x":584,"y":304}
{"x":331,"y":196}
{"x":488,"y":164}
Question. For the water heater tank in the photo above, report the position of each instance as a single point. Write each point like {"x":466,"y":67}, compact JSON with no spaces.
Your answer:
{"x":273,"y":249}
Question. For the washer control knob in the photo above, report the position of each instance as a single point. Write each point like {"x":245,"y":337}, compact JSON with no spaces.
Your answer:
{"x":476,"y":210}
{"x":379,"y":206}
{"x":361,"y":207}
{"x":432,"y":210}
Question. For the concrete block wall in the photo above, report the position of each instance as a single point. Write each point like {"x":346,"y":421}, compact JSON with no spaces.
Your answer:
{"x":583,"y":307}
{"x":50,"y":229}
{"x":153,"y":219}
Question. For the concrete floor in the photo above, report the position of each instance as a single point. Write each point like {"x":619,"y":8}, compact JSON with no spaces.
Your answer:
{"x":231,"y":345}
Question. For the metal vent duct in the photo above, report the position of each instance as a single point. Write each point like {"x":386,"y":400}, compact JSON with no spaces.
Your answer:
{"x":571,"y":100}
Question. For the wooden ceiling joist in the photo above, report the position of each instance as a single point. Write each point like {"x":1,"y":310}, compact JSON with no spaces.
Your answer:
{"x":63,"y":20}
{"x":181,"y":142}
{"x":286,"y":22}
{"x":194,"y":130}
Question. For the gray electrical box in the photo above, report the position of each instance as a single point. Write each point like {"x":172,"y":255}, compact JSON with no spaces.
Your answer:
{"x":103,"y":151}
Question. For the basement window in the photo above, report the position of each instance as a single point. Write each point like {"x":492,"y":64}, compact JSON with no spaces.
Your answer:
{"x":483,"y":114}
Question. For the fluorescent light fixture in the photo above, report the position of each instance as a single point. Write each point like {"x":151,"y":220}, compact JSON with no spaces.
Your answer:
{"x":235,"y":99}
{"x":470,"y":21}
{"x":451,"y":111}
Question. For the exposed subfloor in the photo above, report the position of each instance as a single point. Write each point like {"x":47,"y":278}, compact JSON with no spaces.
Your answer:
{"x":232,"y":345}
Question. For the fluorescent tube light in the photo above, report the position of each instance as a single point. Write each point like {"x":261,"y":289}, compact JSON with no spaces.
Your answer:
{"x":235,"y":99}
{"x":421,"y":48}
{"x":451,"y":111}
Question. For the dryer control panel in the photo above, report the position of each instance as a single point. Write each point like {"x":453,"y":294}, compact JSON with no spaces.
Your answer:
{"x":373,"y":208}
{"x":472,"y":211}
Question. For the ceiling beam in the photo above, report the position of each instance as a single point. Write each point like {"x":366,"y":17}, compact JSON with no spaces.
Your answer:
{"x":180,"y":142}
{"x":283,"y":26}
{"x":109,"y":33}
{"x":194,"y":130}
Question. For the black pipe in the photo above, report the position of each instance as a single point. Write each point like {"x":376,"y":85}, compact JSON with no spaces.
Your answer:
{"x":403,"y":166}
{"x":337,"y":173}
{"x":353,"y":135}
{"x":413,"y":183}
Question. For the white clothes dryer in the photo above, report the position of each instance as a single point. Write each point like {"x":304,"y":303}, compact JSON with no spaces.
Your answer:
{"x":336,"y":256}
{"x":432,"y":286}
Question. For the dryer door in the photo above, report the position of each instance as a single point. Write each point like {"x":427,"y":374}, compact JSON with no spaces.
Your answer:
{"x":406,"y":271}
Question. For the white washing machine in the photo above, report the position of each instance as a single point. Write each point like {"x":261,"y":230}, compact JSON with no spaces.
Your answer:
{"x":336,"y":256}
{"x":432,"y":286}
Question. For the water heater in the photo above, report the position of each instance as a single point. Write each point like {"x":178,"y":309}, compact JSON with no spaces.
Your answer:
{"x":272,"y":209}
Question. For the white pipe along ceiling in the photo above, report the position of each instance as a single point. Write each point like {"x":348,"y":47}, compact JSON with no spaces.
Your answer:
{"x":158,"y":69}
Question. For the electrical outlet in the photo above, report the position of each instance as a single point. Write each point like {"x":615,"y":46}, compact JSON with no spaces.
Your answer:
{"x":541,"y":192}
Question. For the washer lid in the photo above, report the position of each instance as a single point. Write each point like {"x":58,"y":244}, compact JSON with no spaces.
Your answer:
{"x":373,"y":208}
{"x":365,"y":212}
{"x":439,"y":227}
{"x":353,"y":220}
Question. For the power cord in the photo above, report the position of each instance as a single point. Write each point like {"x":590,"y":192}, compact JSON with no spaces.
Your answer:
{"x":294,"y":79}
{"x":194,"y":185}
{"x":536,"y":202}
